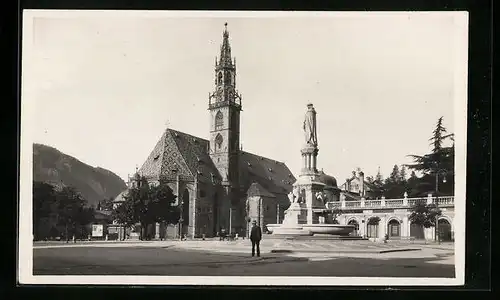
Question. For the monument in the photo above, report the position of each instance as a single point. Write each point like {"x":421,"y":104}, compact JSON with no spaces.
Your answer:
{"x":307,"y":214}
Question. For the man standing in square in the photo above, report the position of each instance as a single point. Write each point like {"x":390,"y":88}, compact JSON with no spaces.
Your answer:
{"x":255,"y":237}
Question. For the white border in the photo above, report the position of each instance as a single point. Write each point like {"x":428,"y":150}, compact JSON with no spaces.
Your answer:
{"x":26,"y":155}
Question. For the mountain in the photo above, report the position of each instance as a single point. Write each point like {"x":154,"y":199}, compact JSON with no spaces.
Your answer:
{"x":95,"y":184}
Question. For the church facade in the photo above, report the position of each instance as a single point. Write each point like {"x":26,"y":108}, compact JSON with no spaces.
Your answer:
{"x":217,"y":183}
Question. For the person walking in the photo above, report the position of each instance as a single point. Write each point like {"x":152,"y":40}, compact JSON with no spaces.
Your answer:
{"x":255,"y":237}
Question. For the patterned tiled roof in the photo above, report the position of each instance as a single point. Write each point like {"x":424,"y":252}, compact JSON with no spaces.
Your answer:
{"x":152,"y":166}
{"x":190,"y":155}
{"x":256,"y":189}
{"x":185,"y":153}
{"x":194,"y":150}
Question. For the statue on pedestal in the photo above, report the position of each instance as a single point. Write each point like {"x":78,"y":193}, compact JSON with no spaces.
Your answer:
{"x":309,"y":126}
{"x":291,"y":197}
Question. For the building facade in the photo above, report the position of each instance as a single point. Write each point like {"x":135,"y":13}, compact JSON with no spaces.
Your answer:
{"x":214,"y":180}
{"x":356,"y":187}
{"x":375,"y":219}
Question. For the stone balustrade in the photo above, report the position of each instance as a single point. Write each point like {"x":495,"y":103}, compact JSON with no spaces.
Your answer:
{"x":391,"y":203}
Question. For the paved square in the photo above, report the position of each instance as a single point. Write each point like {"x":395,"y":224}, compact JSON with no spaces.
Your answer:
{"x":177,"y":258}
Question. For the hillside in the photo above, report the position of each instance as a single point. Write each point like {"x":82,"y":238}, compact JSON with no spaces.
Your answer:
{"x":95,"y":184}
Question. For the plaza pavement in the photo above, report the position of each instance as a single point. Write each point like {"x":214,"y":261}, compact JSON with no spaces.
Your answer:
{"x":268,"y":245}
{"x":164,"y":258}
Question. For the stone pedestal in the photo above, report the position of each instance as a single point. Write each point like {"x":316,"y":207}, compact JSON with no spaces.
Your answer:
{"x":157,"y":231}
{"x":295,"y":214}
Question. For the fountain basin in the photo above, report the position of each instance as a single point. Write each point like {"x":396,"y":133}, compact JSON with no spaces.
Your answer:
{"x":279,"y":229}
{"x":311,"y":229}
{"x":333,"y":229}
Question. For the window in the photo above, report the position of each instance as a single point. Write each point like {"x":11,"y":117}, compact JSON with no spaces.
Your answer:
{"x":218,"y":141}
{"x":202,"y":193}
{"x":219,"y":121}
{"x":227,"y":78}
{"x":219,"y":78}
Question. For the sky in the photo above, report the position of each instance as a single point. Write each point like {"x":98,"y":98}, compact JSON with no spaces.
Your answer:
{"x":103,"y":87}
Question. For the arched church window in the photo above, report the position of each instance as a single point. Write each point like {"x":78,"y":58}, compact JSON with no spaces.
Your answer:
{"x":227,"y":78}
{"x":218,"y":141}
{"x":219,"y":78}
{"x":219,"y":121}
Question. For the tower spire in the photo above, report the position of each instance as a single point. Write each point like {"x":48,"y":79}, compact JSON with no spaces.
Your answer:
{"x":225,"y":49}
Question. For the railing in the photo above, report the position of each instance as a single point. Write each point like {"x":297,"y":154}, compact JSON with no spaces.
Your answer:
{"x":390,"y":203}
{"x":445,"y":200}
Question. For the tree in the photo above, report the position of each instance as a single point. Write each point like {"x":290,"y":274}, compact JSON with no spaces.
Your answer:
{"x":146,"y":204}
{"x":162,"y":204}
{"x":394,"y":187}
{"x":439,"y":136}
{"x":440,"y":162}
{"x":379,"y":179}
{"x":373,"y":221}
{"x":124,"y":215}
{"x":335,"y":213}
{"x":70,"y":206}
{"x":106,"y":204}
{"x":424,"y":214}
{"x":59,"y":210}
{"x":370,"y":179}
{"x":395,"y":176}
{"x":44,"y":210}
{"x":84,"y":216}
{"x":402,"y":174}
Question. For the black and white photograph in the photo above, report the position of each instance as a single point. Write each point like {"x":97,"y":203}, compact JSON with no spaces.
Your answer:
{"x":243,"y":148}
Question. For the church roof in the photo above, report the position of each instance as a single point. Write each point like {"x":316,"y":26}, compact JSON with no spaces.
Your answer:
{"x":194,"y":150}
{"x":256,"y":189}
{"x":180,"y":153}
{"x":273,"y":175}
{"x":189,"y":155}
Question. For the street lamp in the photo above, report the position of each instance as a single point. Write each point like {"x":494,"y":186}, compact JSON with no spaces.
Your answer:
{"x":436,"y":234}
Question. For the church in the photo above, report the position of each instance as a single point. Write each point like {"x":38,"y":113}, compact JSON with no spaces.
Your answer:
{"x":215,"y":181}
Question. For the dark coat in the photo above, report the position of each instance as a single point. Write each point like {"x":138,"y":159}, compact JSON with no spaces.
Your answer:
{"x":256,"y":233}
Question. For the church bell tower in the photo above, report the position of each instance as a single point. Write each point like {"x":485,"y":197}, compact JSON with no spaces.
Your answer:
{"x":225,"y":107}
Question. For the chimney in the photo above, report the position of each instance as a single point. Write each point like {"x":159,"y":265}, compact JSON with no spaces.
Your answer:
{"x":361,"y":184}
